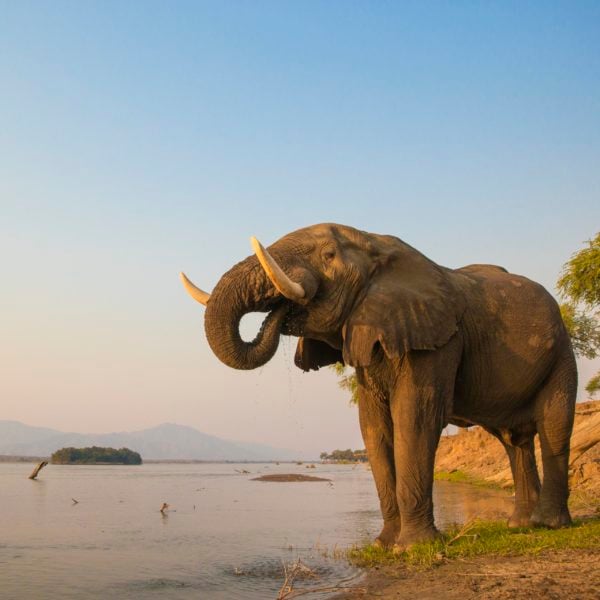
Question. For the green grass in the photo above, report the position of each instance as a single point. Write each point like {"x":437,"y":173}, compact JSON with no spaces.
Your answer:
{"x":479,"y":538}
{"x":458,"y":476}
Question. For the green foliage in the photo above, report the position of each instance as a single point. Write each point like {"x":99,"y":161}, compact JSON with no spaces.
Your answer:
{"x":593,"y":385}
{"x":484,"y":538}
{"x":347,"y":382}
{"x":346,"y":456}
{"x":95,"y":455}
{"x":579,"y":284}
{"x":584,"y":330}
{"x":580,"y":278}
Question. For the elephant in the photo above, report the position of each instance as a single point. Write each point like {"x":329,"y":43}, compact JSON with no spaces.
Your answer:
{"x":430,"y":345}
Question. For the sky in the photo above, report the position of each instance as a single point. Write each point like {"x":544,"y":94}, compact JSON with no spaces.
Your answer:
{"x":139,"y":139}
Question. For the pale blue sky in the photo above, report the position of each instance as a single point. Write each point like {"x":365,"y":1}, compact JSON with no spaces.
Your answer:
{"x":138,"y":139}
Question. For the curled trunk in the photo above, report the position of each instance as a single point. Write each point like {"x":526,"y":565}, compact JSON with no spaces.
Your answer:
{"x":243,"y":289}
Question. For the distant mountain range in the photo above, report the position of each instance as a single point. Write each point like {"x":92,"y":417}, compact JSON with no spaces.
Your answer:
{"x":166,"y":441}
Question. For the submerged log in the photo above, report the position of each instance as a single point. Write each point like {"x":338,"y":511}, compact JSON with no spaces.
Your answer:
{"x":38,"y":468}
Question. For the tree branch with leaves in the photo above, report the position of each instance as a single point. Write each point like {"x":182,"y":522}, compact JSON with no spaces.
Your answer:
{"x":347,"y":382}
{"x":579,"y":285}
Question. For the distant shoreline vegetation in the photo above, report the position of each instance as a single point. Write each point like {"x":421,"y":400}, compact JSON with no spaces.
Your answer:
{"x":95,"y":456}
{"x":345,"y":456}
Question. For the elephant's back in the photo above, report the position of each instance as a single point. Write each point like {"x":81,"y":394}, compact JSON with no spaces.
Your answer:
{"x":512,"y":304}
{"x":482,"y":268}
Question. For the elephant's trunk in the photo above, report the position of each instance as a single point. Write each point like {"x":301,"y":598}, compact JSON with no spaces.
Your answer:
{"x":243,"y":289}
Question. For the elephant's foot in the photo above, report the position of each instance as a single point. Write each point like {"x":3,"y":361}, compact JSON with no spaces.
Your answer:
{"x":408,"y":538}
{"x":548,"y":516}
{"x":389,"y":533}
{"x":521,"y":517}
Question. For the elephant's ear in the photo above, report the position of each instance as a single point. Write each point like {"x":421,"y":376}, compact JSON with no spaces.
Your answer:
{"x":313,"y":354}
{"x":410,"y":304}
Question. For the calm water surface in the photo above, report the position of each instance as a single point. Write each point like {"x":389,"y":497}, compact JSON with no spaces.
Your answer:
{"x":224,"y":537}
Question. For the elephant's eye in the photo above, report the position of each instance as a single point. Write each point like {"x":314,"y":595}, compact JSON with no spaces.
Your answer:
{"x":328,"y":255}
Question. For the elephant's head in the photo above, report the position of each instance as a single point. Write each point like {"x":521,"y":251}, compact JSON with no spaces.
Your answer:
{"x":342,"y":291}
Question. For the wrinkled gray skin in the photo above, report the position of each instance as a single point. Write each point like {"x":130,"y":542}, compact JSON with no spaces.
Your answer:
{"x":431,"y":346}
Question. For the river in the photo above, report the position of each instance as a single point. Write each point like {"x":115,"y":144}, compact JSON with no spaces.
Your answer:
{"x":94,"y":532}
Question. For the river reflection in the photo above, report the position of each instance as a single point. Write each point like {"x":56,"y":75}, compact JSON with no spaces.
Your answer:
{"x":460,"y":502}
{"x":223,"y":537}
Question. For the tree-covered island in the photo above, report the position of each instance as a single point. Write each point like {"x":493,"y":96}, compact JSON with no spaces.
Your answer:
{"x":95,"y":456}
{"x":345,"y":456}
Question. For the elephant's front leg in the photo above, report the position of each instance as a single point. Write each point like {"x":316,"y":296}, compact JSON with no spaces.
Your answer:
{"x":418,"y":407}
{"x":377,"y":431}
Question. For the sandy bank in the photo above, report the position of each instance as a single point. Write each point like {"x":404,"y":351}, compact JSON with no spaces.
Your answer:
{"x":286,"y":477}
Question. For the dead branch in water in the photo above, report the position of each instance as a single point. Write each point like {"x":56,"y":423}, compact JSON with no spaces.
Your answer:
{"x":299,"y":569}
{"x":38,"y":468}
{"x":323,"y":590}
{"x":291,"y":572}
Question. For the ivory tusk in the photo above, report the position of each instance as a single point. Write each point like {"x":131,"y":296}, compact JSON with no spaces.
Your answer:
{"x":195,"y":292}
{"x":290,"y":289}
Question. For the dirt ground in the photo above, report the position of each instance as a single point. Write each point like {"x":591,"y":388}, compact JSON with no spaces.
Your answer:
{"x":564,"y":575}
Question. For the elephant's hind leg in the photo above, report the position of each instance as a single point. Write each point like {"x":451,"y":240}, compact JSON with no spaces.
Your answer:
{"x":527,"y":482}
{"x":521,"y":455}
{"x":555,"y":408}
